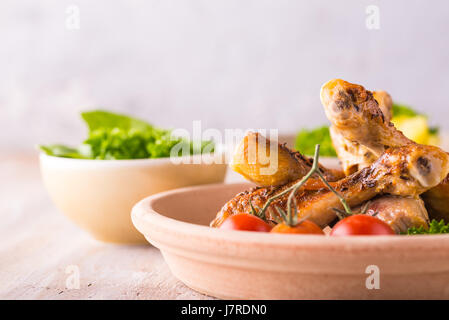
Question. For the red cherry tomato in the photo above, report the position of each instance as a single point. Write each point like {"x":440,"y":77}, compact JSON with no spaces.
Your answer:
{"x":245,"y":222}
{"x":305,"y":227}
{"x":361,"y":224}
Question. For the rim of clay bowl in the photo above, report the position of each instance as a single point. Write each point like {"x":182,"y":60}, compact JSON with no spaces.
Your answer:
{"x":144,"y":216}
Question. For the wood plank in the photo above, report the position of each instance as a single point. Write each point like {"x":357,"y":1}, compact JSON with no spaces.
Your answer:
{"x":38,"y":245}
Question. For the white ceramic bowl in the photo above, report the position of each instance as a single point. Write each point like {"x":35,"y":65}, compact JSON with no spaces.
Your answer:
{"x":98,"y":195}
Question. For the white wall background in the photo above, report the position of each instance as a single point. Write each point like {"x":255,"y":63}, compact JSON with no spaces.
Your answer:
{"x":229,"y":63}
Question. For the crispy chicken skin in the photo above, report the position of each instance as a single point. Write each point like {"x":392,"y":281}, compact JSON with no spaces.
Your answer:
{"x":404,"y":171}
{"x":400,"y":213}
{"x":356,"y":116}
{"x":268,"y":163}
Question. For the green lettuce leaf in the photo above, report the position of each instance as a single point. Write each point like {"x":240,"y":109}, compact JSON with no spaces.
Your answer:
{"x":59,"y":150}
{"x":307,"y":139}
{"x":400,"y":110}
{"x":99,"y":119}
{"x":117,"y":136}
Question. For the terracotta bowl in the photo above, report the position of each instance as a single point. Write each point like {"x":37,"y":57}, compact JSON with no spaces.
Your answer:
{"x":98,"y":195}
{"x":251,"y":265}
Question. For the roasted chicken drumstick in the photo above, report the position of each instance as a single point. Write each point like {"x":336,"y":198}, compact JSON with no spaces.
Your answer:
{"x":352,"y":155}
{"x":357,"y":118}
{"x":404,"y":171}
{"x":400,"y":213}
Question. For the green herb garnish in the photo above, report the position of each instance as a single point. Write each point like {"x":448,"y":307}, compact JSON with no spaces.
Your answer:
{"x":434,"y":130}
{"x":117,"y":136}
{"x":435,"y":227}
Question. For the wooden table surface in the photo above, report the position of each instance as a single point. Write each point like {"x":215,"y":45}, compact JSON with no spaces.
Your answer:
{"x":41,"y":250}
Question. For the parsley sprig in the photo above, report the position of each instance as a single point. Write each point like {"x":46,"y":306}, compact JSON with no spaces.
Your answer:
{"x":435,"y":227}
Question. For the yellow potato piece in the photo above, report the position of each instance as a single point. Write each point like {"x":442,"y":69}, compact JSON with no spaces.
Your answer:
{"x":434,"y":140}
{"x":415,"y":128}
